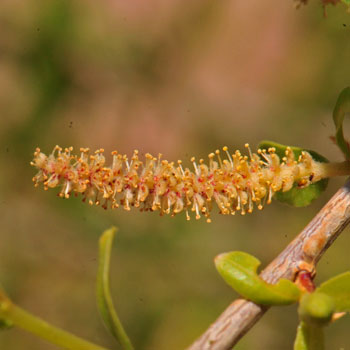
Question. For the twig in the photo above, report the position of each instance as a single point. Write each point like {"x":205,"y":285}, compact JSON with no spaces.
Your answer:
{"x":302,"y":253}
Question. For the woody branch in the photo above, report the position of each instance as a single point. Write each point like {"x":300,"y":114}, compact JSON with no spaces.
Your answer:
{"x":302,"y":253}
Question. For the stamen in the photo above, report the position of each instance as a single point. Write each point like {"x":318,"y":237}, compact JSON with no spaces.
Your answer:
{"x":225,"y":149}
{"x":197,"y":212}
{"x":249,"y":151}
{"x":262,"y":153}
{"x":217,"y":152}
{"x":211,"y":162}
{"x":270,"y":195}
{"x":237,"y":183}
{"x":195,"y":166}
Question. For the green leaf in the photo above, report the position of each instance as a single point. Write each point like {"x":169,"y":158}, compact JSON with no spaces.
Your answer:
{"x":300,"y":340}
{"x":239,"y":270}
{"x":341,"y":109}
{"x":316,"y":308}
{"x":104,"y":299}
{"x":298,"y":197}
{"x":338,"y":288}
{"x":309,"y":337}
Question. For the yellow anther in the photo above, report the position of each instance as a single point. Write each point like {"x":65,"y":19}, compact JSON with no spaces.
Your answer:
{"x":235,"y":183}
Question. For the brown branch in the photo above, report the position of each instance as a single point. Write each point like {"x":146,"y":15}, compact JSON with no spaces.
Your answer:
{"x":302,"y":253}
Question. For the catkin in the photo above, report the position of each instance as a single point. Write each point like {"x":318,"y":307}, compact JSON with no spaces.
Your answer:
{"x":236,"y":183}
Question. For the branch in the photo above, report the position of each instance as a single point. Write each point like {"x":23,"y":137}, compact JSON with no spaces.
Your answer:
{"x":303,"y":252}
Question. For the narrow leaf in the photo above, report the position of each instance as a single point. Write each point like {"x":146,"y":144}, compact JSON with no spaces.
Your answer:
{"x":341,"y":109}
{"x":316,"y":308}
{"x":104,"y":299}
{"x":309,"y":337}
{"x":301,"y":340}
{"x":297,"y":197}
{"x":239,"y":270}
{"x":338,"y":288}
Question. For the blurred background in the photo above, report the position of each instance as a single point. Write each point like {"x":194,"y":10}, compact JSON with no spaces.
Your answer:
{"x":178,"y":77}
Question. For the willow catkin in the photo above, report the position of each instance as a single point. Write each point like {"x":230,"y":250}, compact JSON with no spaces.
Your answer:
{"x":235,"y":183}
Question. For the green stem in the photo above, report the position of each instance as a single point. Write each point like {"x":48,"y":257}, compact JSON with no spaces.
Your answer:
{"x":23,"y":319}
{"x":336,"y":169}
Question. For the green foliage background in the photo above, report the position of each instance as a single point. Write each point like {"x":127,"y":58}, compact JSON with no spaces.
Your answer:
{"x":182,"y":78}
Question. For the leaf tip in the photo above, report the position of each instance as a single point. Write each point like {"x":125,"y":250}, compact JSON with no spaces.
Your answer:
{"x":109,"y":233}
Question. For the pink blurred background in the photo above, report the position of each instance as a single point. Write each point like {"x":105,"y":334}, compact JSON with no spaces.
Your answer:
{"x":178,"y":77}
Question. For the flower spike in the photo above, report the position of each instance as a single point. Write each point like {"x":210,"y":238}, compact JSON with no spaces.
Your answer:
{"x":234,"y":184}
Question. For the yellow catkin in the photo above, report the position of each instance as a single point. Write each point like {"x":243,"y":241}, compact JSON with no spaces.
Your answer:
{"x":235,"y":182}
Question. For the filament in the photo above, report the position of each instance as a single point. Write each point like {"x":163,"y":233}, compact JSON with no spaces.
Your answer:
{"x":237,"y":183}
